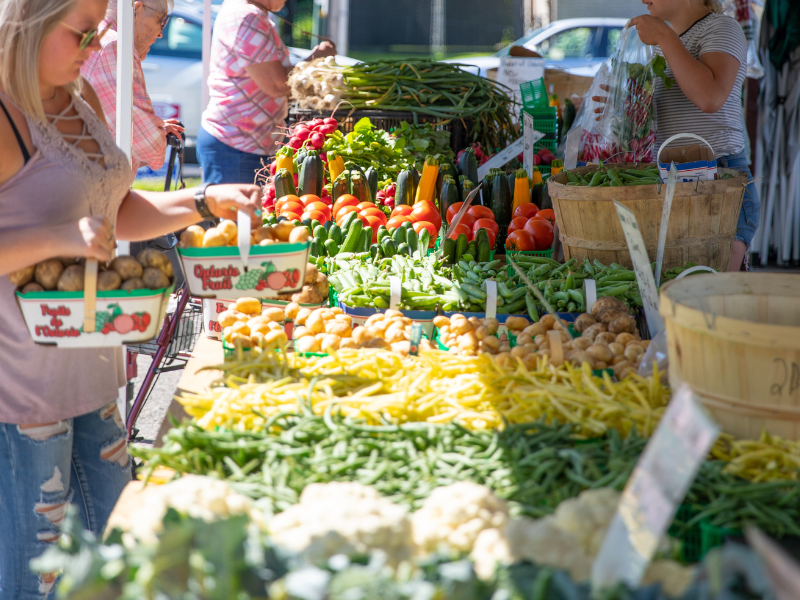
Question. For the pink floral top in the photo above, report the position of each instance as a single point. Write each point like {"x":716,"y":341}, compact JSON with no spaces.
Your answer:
{"x":239,"y":114}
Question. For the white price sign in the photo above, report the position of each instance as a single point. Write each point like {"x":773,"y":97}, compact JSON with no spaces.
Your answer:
{"x":501,"y":158}
{"x":641,"y":266}
{"x":516,"y":70}
{"x":530,"y":136}
{"x":571,"y":149}
{"x":655,"y":490}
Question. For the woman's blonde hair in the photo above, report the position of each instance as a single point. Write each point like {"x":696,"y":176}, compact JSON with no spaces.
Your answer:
{"x":714,"y":6}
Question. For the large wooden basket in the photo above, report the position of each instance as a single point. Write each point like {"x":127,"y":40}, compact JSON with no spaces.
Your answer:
{"x":735,"y":339}
{"x":702,"y":224}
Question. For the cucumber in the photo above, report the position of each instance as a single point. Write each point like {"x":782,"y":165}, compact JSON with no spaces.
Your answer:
{"x":484,"y":248}
{"x":311,"y":174}
{"x":461,"y":247}
{"x":331,"y":247}
{"x":486,"y":190}
{"x":354,"y":230}
{"x":374,"y":252}
{"x":328,"y":224}
{"x":388,"y":247}
{"x":383,"y":233}
{"x":314,"y":248}
{"x":284,"y":184}
{"x":348,"y":221}
{"x":399,"y":235}
{"x":320,"y":233}
{"x":366,"y":239}
{"x":404,"y":249}
{"x":472,"y":249}
{"x":335,"y":233}
{"x":412,"y":239}
{"x":449,"y":251}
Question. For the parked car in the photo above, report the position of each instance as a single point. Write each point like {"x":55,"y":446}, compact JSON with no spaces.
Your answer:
{"x":579,"y":46}
{"x":173,"y":69}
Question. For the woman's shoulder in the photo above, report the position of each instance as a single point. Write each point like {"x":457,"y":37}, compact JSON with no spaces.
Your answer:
{"x":721,"y":24}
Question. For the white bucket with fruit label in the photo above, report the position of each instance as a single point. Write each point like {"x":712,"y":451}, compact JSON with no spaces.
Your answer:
{"x":121,"y":317}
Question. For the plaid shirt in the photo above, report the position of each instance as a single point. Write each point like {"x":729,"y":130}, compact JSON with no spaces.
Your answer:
{"x":100,"y":70}
{"x":239,"y":113}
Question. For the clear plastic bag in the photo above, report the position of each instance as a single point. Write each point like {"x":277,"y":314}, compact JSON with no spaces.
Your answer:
{"x":656,"y":354}
{"x":625,"y":131}
{"x":740,"y":10}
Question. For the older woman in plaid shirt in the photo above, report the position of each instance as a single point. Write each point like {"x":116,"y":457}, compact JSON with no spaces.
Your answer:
{"x":247,"y":89}
{"x":149,"y":131}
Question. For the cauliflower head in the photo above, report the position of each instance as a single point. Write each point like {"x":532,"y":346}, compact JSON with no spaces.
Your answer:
{"x":588,"y":516}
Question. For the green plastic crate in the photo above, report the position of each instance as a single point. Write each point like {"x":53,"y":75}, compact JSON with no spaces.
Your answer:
{"x":229,"y":352}
{"x":534,"y":94}
{"x":691,"y":541}
{"x":543,"y":121}
{"x":712,"y":536}
{"x":551,"y":145}
{"x":333,"y":297}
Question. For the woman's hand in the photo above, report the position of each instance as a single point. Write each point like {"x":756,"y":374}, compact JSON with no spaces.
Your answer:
{"x":173,"y":126}
{"x":602,"y":100}
{"x":91,"y":237}
{"x":224,"y":200}
{"x":652,"y":30}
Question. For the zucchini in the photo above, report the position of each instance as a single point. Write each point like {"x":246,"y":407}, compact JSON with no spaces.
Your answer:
{"x":484,"y":248}
{"x":501,"y":200}
{"x":341,"y":186}
{"x":311,"y":175}
{"x":461,"y":247}
{"x":412,"y":239}
{"x":448,"y":197}
{"x":404,"y":249}
{"x":284,"y":184}
{"x":468,"y":166}
{"x":444,"y":172}
{"x":466,"y":187}
{"x":354,"y":230}
{"x":486,"y":190}
{"x":359,"y":187}
{"x":536,"y":193}
{"x":335,"y":233}
{"x":406,"y":188}
{"x":372,"y":181}
{"x":331,"y":247}
{"x":449,"y":251}
{"x":546,"y":202}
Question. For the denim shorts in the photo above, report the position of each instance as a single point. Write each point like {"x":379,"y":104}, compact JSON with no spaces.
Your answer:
{"x":224,"y":164}
{"x":750,"y":212}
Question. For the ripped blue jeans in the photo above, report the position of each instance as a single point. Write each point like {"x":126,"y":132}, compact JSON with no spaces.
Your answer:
{"x":43,"y":468}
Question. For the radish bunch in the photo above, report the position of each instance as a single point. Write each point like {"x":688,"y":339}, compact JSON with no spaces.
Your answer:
{"x":311,"y":134}
{"x":385,"y":197}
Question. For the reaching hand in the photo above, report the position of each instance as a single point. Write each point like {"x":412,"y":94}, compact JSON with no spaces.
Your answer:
{"x":225,"y":200}
{"x":91,"y":237}
{"x":602,"y":99}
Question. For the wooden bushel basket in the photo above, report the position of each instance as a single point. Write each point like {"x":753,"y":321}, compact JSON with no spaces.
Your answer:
{"x":702,"y":223}
{"x":735,"y":339}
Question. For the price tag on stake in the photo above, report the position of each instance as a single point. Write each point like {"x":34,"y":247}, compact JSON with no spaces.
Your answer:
{"x":501,"y":158}
{"x":491,"y":299}
{"x":656,"y":488}
{"x":591,"y":293}
{"x":672,"y":180}
{"x":395,"y":291}
{"x":641,"y":266}
{"x":244,"y":224}
{"x":571,"y":149}
{"x":416,"y":338}
{"x":461,"y":212}
{"x":530,"y":137}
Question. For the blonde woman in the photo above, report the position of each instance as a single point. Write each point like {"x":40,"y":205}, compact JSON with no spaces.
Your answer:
{"x":706,"y":54}
{"x":64,"y":191}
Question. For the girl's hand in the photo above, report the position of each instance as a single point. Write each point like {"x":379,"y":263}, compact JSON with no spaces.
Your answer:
{"x":224,"y":200}
{"x":91,"y":237}
{"x":602,"y":100}
{"x":652,"y":30}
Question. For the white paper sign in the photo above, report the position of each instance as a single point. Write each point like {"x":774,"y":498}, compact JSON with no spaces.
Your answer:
{"x":672,"y":180}
{"x":243,"y":226}
{"x":395,"y":291}
{"x":491,"y":299}
{"x":656,"y":488}
{"x":530,"y":136}
{"x":641,"y":266}
{"x":502,"y":157}
{"x":516,"y":70}
{"x":591,"y":293}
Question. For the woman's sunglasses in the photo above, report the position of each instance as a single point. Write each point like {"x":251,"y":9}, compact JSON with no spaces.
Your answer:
{"x":88,"y":36}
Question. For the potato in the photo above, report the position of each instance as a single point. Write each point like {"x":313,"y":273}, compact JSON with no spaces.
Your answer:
{"x":127,"y":267}
{"x":308,"y":295}
{"x":22,"y":277}
{"x":264,"y":234}
{"x":71,"y":279}
{"x":607,"y":302}
{"x":240,"y":327}
{"x":301,"y":331}
{"x":605,"y":338}
{"x":155,"y":279}
{"x":344,"y":319}
{"x":541,"y":340}
{"x":301,"y":316}
{"x":524,"y":338}
{"x":599,"y":365}
{"x":519,"y":351}
{"x":338,"y":328}
{"x":377,"y":343}
{"x":504,"y":360}
{"x":32,"y":287}
{"x":363,"y":334}
{"x":460,"y":326}
{"x":135,"y":283}
{"x":633,"y":351}
{"x":240,"y":341}
{"x":535,"y":329}
{"x":348,"y":343}
{"x":593,"y":331}
{"x":213,"y":238}
{"x":584,"y":321}
{"x":624,"y":339}
{"x":616,"y":349}
{"x":600,"y":352}
{"x":492,"y":325}
{"x":273,"y":313}
{"x":490,"y":344}
{"x":258,"y":327}
{"x":283,"y":230}
{"x":108,"y":280}
{"x":306,"y":344}
{"x":481,"y":332}
{"x":468,"y":343}
{"x":403,"y":348}
{"x":609,"y":314}
{"x":517,"y":323}
{"x":192,"y":237}
{"x":618,"y":359}
{"x":298,"y":235}
{"x":623,"y":324}
{"x":315,"y":323}
{"x":582,"y":343}
{"x":530,"y":361}
{"x":548,"y":321}
{"x":395,"y":334}
{"x":330,"y":343}
{"x":440,"y":321}
{"x":48,"y":272}
{"x":229,"y":229}
{"x":578,"y":357}
{"x":157,"y":260}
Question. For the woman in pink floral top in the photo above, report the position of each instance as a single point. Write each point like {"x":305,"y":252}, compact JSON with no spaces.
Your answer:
{"x":247,"y":91}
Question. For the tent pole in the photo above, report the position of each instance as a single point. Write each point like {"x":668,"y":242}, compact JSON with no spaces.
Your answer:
{"x":125,"y":88}
{"x":206,"y":51}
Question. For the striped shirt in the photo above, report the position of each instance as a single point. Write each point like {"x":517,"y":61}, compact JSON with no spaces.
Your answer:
{"x":239,"y":113}
{"x":675,"y":113}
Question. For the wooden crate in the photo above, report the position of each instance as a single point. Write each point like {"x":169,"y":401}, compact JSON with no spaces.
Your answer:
{"x":735,"y":339}
{"x":702,"y":224}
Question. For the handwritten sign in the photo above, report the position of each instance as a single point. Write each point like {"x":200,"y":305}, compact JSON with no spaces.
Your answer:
{"x":516,"y":70}
{"x":530,"y":137}
{"x":502,"y":157}
{"x":655,"y":490}
{"x":672,"y":181}
{"x":641,"y":266}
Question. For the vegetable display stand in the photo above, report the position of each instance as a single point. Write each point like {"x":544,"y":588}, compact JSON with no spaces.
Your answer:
{"x":734,"y":338}
{"x":219,"y":273}
{"x":702,"y":223}
{"x":361,"y":314}
{"x":122,"y":317}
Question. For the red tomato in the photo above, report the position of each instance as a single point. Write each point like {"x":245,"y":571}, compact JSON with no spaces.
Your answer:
{"x":283,"y":200}
{"x":318,"y":215}
{"x":485,"y":224}
{"x":320,"y":206}
{"x":481,"y":212}
{"x":308,"y":199}
{"x":362,"y":205}
{"x":420,"y":225}
{"x":293,"y":207}
{"x":344,"y":210}
{"x":459,"y":229}
{"x":548,"y":214}
{"x":426,"y":213}
{"x":402,"y":210}
{"x":526,"y":210}
{"x":291,"y":216}
{"x":373,"y":222}
{"x":344,"y":200}
{"x":492,"y":238}
{"x":375,"y":212}
{"x":542,"y":231}
{"x":516,"y":223}
{"x":520,"y":240}
{"x":452,"y":211}
{"x":395,"y":222}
